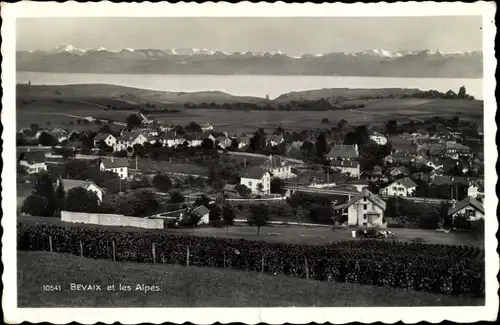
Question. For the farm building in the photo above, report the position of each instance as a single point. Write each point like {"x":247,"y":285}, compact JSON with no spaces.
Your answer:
{"x":401,"y":187}
{"x":115,"y":165}
{"x":68,"y":184}
{"x":378,"y":138}
{"x":252,"y":176}
{"x":203,"y":212}
{"x":365,"y":209}
{"x":34,"y":161}
{"x":469,"y":207}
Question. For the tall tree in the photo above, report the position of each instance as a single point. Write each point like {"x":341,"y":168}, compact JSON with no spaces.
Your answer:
{"x":44,"y":186}
{"x":79,"y":199}
{"x":321,"y":145}
{"x":133,"y":121}
{"x":258,"y":216}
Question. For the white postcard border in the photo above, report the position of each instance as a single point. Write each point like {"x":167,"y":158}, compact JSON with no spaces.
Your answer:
{"x":246,"y":315}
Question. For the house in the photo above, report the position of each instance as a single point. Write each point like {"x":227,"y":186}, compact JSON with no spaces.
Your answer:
{"x":278,"y":167}
{"x":456,"y":150}
{"x":203,"y":212}
{"x":108,"y":139}
{"x":149,"y":132}
{"x":252,"y":175}
{"x":401,"y":187}
{"x":469,"y":207}
{"x":129,"y":139}
{"x":68,"y":184}
{"x":170,"y":139}
{"x":194,"y":140}
{"x":476,"y":189}
{"x":399,"y":158}
{"x":421,"y":176}
{"x":274,"y":139}
{"x":378,"y":138}
{"x":34,"y":161}
{"x":224,"y":141}
{"x":365,"y":209}
{"x":59,"y":134}
{"x":115,"y":165}
{"x":343,"y":152}
{"x":243,"y":141}
{"x":433,"y":163}
{"x":206,"y":127}
{"x":397,"y":171}
{"x":402,"y":143}
{"x":433,"y":149}
{"x":348,"y":167}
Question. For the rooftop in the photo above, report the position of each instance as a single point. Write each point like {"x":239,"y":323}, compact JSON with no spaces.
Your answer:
{"x":343,"y":151}
{"x":253,"y":172}
{"x":114,"y":162}
{"x":469,"y":201}
{"x":364,"y":194}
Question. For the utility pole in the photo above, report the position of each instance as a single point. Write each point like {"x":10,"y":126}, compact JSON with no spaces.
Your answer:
{"x":136,"y":162}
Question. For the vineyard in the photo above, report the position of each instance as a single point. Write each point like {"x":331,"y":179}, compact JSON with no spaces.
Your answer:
{"x":455,"y":270}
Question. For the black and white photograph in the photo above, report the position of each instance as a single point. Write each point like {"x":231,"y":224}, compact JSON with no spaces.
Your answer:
{"x":249,"y":160}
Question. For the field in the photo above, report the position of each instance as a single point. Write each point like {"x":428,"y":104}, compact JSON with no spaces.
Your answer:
{"x":77,"y":103}
{"x":293,"y":234}
{"x":196,"y":287}
{"x":144,"y":164}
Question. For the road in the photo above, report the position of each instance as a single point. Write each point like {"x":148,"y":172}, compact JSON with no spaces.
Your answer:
{"x":381,"y":114}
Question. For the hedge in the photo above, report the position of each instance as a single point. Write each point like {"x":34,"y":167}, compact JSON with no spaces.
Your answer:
{"x":435,"y":268}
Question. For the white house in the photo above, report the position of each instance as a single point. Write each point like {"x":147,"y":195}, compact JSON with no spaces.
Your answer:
{"x":365,"y":209}
{"x":115,"y":165}
{"x":251,"y":176}
{"x":206,"y":127}
{"x":68,"y":184}
{"x":476,"y":190}
{"x":278,"y":167}
{"x":203,"y":212}
{"x":109,"y":139}
{"x":34,"y":161}
{"x":171,"y":139}
{"x":129,"y":139}
{"x":401,"y":187}
{"x":380,"y":139}
{"x":348,"y":167}
{"x":274,"y":140}
{"x":148,"y":132}
{"x":224,"y":141}
{"x":470,"y":208}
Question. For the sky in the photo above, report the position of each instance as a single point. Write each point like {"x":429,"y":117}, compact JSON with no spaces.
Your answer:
{"x":290,"y":35}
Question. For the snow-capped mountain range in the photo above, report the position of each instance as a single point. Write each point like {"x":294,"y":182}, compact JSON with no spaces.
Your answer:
{"x":372,"y":62}
{"x":68,"y":48}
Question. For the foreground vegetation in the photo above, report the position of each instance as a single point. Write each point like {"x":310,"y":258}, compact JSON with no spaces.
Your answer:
{"x":436,"y":268}
{"x":196,"y":287}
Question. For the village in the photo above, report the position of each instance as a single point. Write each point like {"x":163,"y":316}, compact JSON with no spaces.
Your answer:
{"x":424,"y":174}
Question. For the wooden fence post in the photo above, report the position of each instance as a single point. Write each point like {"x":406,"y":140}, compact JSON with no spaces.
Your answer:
{"x":50,"y":243}
{"x":187,"y":256}
{"x":224,"y":254}
{"x":307,"y":267}
{"x":81,"y":249}
{"x":154,"y":253}
{"x":114,"y":252}
{"x":262,"y":266}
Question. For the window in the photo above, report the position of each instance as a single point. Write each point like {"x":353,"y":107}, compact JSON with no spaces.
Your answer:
{"x":472,"y":213}
{"x":250,"y":184}
{"x":394,"y":188}
{"x":364,"y":216}
{"x":365,"y":206}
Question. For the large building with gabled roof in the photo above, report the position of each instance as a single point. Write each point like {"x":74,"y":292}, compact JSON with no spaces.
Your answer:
{"x":364,"y":210}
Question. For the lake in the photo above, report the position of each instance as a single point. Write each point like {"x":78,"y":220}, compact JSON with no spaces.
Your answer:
{"x":249,"y":85}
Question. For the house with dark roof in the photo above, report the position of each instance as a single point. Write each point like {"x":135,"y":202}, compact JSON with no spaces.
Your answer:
{"x":401,"y":187}
{"x":33,"y":161}
{"x":343,"y":152}
{"x":115,"y":165}
{"x":470,"y":208}
{"x":365,"y":209}
{"x":347,"y":167}
{"x":397,"y":171}
{"x":108,"y":138}
{"x":203,"y":212}
{"x":455,"y":150}
{"x":171,"y":139}
{"x":253,"y":175}
{"x":69,"y":184}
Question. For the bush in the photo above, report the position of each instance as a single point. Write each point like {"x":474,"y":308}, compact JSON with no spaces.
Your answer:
{"x":413,"y":266}
{"x":217,"y":223}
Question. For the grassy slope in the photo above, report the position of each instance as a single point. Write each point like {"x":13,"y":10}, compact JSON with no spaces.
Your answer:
{"x":195,"y":287}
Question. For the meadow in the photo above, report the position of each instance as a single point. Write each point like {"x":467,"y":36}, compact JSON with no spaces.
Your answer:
{"x":182,"y":286}
{"x":42,"y":106}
